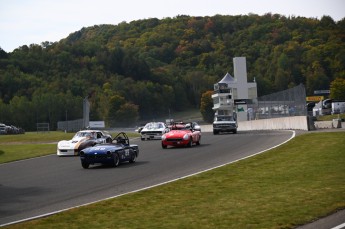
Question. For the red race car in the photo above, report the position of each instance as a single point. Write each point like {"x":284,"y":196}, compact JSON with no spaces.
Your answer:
{"x":182,"y":134}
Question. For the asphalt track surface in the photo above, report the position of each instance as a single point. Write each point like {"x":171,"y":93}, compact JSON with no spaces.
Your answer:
{"x":40,"y":186}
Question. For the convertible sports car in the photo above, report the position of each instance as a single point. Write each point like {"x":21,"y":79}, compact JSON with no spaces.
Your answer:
{"x":182,"y":134}
{"x":82,"y":140}
{"x":110,"y":153}
{"x":153,"y":130}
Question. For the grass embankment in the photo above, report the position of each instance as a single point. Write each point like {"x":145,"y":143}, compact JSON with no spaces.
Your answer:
{"x":35,"y":137}
{"x":331,"y":117}
{"x":10,"y":153}
{"x":29,"y":145}
{"x":282,"y":188}
{"x":33,"y":144}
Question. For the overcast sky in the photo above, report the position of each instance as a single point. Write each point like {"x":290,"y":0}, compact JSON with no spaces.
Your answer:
{"x":25,"y":22}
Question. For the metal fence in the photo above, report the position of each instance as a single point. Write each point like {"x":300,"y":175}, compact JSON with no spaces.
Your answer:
{"x":290,"y":102}
{"x":42,"y":127}
{"x":71,"y":126}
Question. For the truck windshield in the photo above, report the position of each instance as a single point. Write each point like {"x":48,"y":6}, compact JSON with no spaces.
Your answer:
{"x":225,"y":118}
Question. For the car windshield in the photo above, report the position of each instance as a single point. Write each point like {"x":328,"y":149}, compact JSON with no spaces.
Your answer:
{"x":179,"y":126}
{"x":153,"y":125}
{"x":224,"y":118}
{"x":81,"y":134}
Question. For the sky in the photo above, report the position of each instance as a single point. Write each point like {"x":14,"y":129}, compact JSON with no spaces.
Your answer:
{"x":25,"y":22}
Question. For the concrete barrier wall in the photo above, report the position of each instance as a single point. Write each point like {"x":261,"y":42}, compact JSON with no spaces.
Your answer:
{"x":285,"y":123}
{"x":323,"y":125}
{"x":335,"y":123}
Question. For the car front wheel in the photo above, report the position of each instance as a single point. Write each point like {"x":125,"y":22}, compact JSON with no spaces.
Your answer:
{"x":134,"y":157}
{"x":85,"y":165}
{"x":116,"y":160}
{"x":190,"y":143}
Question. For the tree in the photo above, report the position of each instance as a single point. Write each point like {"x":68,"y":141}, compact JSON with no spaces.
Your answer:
{"x":3,"y":54}
{"x":316,"y":78}
{"x":197,"y":82}
{"x":114,"y":104}
{"x":127,"y":115}
{"x":116,"y":111}
{"x":206,"y":106}
{"x":337,"y":89}
{"x":18,"y":107}
{"x":4,"y":112}
{"x":162,"y":65}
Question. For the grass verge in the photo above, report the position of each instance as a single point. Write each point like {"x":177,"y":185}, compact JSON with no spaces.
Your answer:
{"x":10,"y":153}
{"x":331,"y":117}
{"x":282,"y":188}
{"x":33,"y":144}
{"x":43,"y":137}
{"x":35,"y":137}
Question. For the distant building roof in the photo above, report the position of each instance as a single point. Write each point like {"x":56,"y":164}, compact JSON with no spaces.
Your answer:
{"x":227,"y":79}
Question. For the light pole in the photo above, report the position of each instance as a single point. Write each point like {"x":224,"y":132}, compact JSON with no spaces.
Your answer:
{"x":66,"y":123}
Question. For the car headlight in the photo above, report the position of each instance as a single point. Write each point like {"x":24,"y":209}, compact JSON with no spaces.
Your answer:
{"x":164,"y":137}
{"x":186,"y":137}
{"x":61,"y":144}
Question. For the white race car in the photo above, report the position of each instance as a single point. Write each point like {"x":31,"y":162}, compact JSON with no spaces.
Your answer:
{"x":82,"y":140}
{"x":153,"y":130}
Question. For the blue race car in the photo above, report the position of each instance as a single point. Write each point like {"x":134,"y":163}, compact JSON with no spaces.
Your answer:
{"x":110,"y":153}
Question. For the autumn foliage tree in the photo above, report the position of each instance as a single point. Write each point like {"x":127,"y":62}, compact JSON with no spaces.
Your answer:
{"x":337,"y":89}
{"x":161,"y":65}
{"x":206,"y":105}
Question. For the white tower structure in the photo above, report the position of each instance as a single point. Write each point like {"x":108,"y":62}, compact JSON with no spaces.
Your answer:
{"x":223,"y":101}
{"x":231,"y":88}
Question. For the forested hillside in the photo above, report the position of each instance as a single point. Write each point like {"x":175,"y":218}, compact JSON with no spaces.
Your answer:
{"x":146,"y":68}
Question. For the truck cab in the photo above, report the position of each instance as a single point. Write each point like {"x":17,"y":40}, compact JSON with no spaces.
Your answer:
{"x":224,"y":123}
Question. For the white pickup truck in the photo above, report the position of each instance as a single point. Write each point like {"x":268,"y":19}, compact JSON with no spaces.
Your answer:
{"x":224,"y":123}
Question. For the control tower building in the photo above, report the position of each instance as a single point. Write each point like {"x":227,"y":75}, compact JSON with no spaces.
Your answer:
{"x":230,"y":88}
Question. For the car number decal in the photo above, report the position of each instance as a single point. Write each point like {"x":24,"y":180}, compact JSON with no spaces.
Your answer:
{"x":127,"y":152}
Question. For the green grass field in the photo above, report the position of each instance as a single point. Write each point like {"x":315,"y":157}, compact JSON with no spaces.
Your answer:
{"x":291,"y":185}
{"x":331,"y":117}
{"x":36,"y":137}
{"x":33,"y":144}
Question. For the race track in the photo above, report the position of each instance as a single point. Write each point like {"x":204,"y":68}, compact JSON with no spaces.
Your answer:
{"x":39,"y":186}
